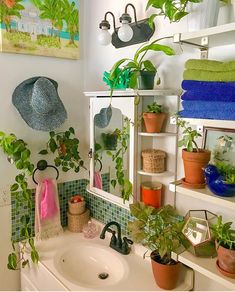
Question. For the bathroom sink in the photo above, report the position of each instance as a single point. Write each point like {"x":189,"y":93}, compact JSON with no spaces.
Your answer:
{"x":91,"y":265}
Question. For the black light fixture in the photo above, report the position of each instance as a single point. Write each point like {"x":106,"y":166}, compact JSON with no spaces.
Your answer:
{"x":129,"y":33}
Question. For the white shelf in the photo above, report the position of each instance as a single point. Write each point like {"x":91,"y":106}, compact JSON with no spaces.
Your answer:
{"x":156,"y":134}
{"x":205,"y":266}
{"x":217,"y":35}
{"x":204,"y":195}
{"x":212,"y":123}
{"x":132,"y":92}
{"x":165,"y":173}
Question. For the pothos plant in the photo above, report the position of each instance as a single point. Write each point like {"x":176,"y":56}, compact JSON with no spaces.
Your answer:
{"x":65,"y":146}
{"x":18,"y":154}
{"x":123,"y":137}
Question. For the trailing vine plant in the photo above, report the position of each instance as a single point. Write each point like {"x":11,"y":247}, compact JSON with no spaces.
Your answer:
{"x":17,"y":153}
{"x":123,"y":137}
{"x":65,"y":145}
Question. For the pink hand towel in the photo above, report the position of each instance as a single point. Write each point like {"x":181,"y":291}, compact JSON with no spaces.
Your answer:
{"x":98,"y":180}
{"x":47,"y":214}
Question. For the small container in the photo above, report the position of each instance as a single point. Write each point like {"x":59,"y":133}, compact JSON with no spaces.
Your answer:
{"x":90,"y":230}
{"x":77,"y":205}
{"x":153,"y":160}
{"x":77,"y":221}
{"x":151,"y":194}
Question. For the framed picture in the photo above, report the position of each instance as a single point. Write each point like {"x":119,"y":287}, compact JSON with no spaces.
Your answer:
{"x":40,"y":27}
{"x":221,"y":143}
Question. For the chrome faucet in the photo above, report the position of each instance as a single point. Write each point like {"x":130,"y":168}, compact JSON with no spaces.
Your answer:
{"x":116,"y":242}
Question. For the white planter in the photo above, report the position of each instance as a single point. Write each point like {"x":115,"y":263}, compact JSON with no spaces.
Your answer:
{"x":203,"y":15}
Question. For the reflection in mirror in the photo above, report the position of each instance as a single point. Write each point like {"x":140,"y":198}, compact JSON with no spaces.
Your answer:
{"x":111,"y":157}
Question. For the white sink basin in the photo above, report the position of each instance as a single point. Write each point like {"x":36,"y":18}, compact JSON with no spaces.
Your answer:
{"x":87,"y":264}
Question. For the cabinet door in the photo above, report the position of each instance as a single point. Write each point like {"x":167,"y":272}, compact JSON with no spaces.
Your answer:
{"x":112,"y":145}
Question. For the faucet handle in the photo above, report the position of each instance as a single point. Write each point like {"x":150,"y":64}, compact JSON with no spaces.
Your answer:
{"x":113,"y":237}
{"x":127,"y":240}
{"x":125,"y":247}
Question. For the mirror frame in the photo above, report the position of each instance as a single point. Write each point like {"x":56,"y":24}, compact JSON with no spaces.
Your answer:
{"x":127,"y":107}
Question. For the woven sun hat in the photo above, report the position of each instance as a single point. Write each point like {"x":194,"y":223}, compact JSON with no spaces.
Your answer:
{"x":39,"y":104}
{"x":102,"y":119}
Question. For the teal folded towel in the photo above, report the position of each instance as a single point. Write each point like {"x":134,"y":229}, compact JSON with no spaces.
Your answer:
{"x":210,"y":65}
{"x":202,"y":75}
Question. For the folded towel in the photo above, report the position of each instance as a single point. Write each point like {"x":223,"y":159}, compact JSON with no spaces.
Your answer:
{"x":98,"y":180}
{"x":214,"y":115}
{"x":210,"y":65}
{"x":47,"y":214}
{"x":208,"y":96}
{"x":203,"y":75}
{"x":192,"y":105}
{"x":208,"y":86}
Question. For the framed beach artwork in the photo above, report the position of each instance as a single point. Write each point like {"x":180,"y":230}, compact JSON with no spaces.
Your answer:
{"x":221,"y":142}
{"x":40,"y":27}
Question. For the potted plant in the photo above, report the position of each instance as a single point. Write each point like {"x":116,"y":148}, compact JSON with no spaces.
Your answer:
{"x":161,"y":231}
{"x":225,"y":241}
{"x":142,"y":72}
{"x":154,"y":118}
{"x":110,"y":140}
{"x":194,"y":158}
{"x":65,"y":144}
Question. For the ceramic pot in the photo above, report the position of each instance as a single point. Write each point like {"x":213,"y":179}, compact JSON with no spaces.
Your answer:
{"x":153,"y":122}
{"x":194,"y":162}
{"x":166,"y":276}
{"x":226,"y":261}
{"x":145,"y":80}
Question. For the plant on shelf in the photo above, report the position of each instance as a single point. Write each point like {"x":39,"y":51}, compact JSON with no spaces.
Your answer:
{"x":194,"y":158}
{"x":123,"y":137}
{"x":142,"y":72}
{"x":225,"y":239}
{"x":154,"y":118}
{"x":161,"y":231}
{"x":65,"y":145}
{"x":18,"y":154}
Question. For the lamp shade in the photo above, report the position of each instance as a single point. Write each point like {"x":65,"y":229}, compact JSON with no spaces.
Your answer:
{"x":104,"y":37}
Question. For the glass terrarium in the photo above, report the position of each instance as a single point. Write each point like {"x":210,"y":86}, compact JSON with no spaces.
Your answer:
{"x":198,"y":234}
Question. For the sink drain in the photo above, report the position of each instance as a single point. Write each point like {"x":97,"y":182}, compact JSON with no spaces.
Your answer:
{"x":103,"y":276}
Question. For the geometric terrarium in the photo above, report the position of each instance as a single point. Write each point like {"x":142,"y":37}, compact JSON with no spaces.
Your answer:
{"x":198,"y":234}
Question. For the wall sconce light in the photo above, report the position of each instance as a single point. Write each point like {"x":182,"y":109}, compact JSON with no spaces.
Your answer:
{"x":130,"y":33}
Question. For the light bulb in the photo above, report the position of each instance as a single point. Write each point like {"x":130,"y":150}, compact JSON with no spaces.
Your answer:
{"x":104,"y":37}
{"x":125,"y":32}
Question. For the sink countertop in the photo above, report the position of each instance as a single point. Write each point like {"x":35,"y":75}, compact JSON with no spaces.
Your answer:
{"x":139,"y":276}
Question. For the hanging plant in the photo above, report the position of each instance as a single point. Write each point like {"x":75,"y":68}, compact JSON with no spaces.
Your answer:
{"x":17,"y":153}
{"x":123,"y":137}
{"x":65,"y":146}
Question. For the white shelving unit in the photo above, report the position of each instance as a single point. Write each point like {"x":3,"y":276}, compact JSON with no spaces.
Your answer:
{"x":204,"y":195}
{"x":165,"y":173}
{"x":205,"y":266}
{"x":144,"y":134}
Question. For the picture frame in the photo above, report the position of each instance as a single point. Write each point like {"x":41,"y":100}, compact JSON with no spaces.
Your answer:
{"x":40,"y":27}
{"x":221,"y":143}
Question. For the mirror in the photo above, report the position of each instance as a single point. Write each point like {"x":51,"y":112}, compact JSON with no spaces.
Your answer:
{"x":112,"y":163}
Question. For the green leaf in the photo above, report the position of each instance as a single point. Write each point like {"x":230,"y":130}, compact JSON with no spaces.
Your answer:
{"x":148,"y":65}
{"x":14,"y":187}
{"x":52,"y":134}
{"x":34,"y":256}
{"x":113,"y":183}
{"x":43,"y":152}
{"x":151,"y":20}
{"x":71,"y":130}
{"x":115,"y":66}
{"x":65,"y":169}
{"x":25,"y":154}
{"x":12,"y":261}
{"x":52,"y":145}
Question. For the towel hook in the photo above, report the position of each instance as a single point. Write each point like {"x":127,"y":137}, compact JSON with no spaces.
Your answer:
{"x":42,"y":165}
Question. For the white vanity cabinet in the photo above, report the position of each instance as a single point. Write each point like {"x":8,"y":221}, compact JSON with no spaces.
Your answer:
{"x":132,"y":104}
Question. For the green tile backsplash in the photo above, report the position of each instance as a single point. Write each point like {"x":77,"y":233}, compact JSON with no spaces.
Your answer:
{"x":101,"y":210}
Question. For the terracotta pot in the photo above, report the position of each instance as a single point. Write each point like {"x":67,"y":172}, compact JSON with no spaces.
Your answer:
{"x":154,"y":122}
{"x":226,"y":259}
{"x":151,"y":194}
{"x":166,"y":276}
{"x":194,"y":162}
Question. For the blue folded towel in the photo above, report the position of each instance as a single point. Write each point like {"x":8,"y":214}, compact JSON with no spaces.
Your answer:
{"x":209,"y":86}
{"x":209,"y":95}
{"x":207,"y":106}
{"x":214,"y":115}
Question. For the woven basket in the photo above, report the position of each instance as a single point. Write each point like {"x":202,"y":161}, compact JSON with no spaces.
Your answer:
{"x":76,"y":222}
{"x":77,"y":208}
{"x":153,"y":160}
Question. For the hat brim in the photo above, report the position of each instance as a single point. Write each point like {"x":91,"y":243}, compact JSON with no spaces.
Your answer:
{"x":21,"y":99}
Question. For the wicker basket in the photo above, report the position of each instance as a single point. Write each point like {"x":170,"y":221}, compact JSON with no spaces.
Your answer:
{"x":77,"y":208}
{"x":76,"y":222}
{"x":153,"y":160}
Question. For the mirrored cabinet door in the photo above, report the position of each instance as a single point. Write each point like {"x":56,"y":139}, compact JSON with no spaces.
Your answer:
{"x":112,"y":137}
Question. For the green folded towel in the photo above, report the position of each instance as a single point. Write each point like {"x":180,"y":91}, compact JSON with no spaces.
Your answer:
{"x":202,"y":75}
{"x":210,"y":65}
